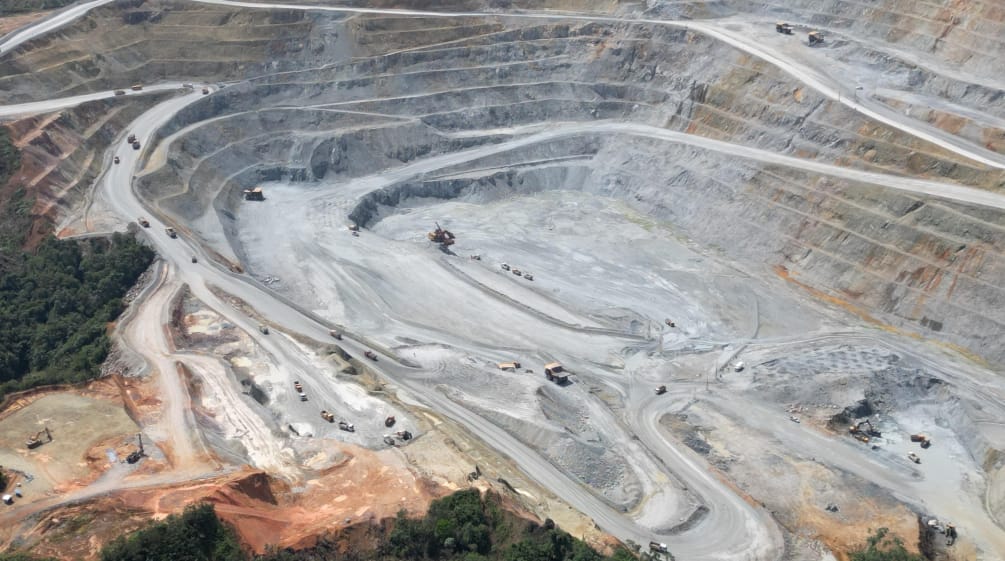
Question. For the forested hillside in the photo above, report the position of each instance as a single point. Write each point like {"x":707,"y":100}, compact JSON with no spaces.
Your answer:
{"x":464,"y":526}
{"x":55,"y":306}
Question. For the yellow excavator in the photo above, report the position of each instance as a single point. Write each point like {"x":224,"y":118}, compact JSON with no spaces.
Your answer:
{"x":863,"y":431}
{"x":35,"y":440}
{"x":443,"y":237}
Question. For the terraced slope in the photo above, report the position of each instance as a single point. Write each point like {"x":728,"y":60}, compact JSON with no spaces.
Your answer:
{"x":132,"y":41}
{"x":420,"y":88}
{"x":643,"y":170}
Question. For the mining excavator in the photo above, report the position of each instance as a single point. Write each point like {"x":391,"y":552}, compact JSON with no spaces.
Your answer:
{"x":443,"y":237}
{"x":863,"y":430}
{"x":136,"y":455}
{"x":35,"y":440}
{"x":389,"y":421}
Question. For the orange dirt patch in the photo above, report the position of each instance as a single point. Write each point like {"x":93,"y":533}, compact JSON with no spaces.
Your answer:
{"x":857,"y":521}
{"x":787,"y":275}
{"x":367,"y":487}
{"x":947,"y":121}
{"x":11,"y":23}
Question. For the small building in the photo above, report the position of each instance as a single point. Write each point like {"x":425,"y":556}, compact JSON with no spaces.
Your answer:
{"x":255,"y":194}
{"x":511,"y":366}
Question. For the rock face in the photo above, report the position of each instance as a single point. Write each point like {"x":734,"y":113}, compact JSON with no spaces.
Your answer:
{"x":330,"y":99}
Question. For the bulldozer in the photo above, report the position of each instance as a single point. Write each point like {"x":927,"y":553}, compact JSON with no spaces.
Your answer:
{"x":35,"y":440}
{"x":443,"y":237}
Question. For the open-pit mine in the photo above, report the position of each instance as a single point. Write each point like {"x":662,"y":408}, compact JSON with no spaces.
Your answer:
{"x":723,"y":275}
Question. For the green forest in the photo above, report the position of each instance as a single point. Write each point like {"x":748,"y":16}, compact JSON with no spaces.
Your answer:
{"x":56,"y":301}
{"x":464,"y":526}
{"x":881,"y":547}
{"x":15,"y":219}
{"x":55,"y":306}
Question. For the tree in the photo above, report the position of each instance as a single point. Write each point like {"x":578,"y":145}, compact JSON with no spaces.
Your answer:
{"x":55,"y":305}
{"x":881,"y":548}
{"x":196,"y":535}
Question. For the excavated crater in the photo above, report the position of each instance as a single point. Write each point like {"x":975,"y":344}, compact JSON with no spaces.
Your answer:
{"x":646,"y":164}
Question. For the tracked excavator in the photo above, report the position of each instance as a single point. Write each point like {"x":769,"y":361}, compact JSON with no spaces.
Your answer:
{"x":443,"y":237}
{"x":35,"y":440}
{"x":137,"y":455}
{"x":864,"y":430}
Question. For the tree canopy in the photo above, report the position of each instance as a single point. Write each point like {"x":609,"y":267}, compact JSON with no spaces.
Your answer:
{"x":464,"y":526}
{"x":195,"y":535}
{"x":56,"y":304}
{"x":879,"y":547}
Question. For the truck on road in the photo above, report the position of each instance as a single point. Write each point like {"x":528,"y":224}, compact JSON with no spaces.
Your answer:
{"x":170,"y":232}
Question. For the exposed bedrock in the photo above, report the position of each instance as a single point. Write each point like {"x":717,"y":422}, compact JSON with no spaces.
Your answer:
{"x":345,"y":103}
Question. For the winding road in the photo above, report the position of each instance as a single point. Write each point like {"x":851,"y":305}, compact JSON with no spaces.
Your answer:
{"x":732,"y":530}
